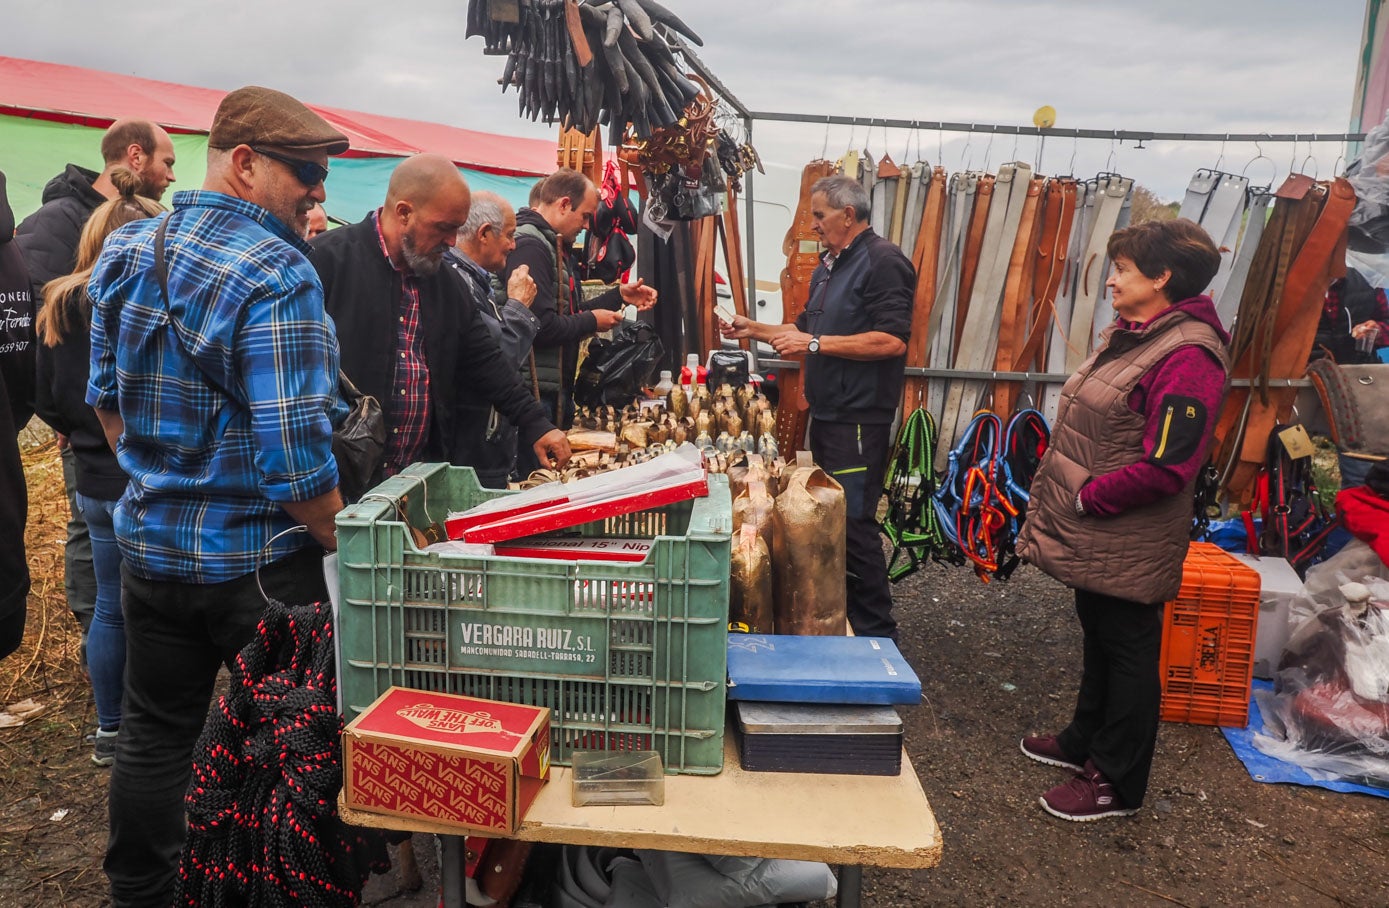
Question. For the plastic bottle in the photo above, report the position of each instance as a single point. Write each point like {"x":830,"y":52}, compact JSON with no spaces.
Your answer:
{"x":665,"y":384}
{"x":690,"y":370}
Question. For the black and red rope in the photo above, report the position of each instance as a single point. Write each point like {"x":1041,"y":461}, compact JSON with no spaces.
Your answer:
{"x":263,"y":828}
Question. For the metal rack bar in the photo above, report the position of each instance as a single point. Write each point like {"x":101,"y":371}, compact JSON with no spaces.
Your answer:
{"x":1135,"y":135}
{"x":1050,"y":378}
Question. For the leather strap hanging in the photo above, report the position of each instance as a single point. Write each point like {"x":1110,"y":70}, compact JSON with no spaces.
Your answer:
{"x":803,"y":255}
{"x":1113,"y":190}
{"x":1227,"y":301}
{"x":1054,"y":237}
{"x":1016,"y":291}
{"x":941,"y":333}
{"x":732,"y":240}
{"x":974,"y":243}
{"x":917,"y":188}
{"x":979,"y":335}
{"x":926,"y":261}
{"x":899,"y":204}
{"x":1223,"y":219}
{"x":1291,"y":330}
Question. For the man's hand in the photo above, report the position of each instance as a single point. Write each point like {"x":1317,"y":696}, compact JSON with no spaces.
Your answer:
{"x":552,"y":448}
{"x":607,"y":318}
{"x":521,"y":286}
{"x":741,"y":327}
{"x":791,"y":343}
{"x":639,"y":295}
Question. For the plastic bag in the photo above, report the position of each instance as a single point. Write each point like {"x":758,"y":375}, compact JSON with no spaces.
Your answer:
{"x":617,"y":370}
{"x":1330,"y":708}
{"x":808,"y":554}
{"x":1369,"y":175}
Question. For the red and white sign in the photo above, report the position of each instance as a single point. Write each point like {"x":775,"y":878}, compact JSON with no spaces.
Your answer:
{"x":461,"y":761}
{"x":576,"y":548}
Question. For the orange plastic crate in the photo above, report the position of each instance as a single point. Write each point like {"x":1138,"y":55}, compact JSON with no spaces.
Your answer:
{"x":1208,"y":636}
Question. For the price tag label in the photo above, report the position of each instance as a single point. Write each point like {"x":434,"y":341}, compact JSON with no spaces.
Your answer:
{"x":1297,"y":442}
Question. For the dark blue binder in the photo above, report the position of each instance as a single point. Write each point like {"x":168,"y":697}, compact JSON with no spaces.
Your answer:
{"x":789,"y":669}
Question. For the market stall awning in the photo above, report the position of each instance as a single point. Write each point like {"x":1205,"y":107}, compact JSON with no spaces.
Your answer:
{"x":88,"y":97}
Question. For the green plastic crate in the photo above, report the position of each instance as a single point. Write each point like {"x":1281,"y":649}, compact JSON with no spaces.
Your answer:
{"x":628,"y":656}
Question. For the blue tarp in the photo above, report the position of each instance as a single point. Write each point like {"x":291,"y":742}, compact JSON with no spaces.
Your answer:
{"x":1264,"y":768}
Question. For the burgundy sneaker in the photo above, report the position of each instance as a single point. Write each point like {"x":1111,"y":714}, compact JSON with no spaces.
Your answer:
{"x":1089,"y":796}
{"x":1044,"y":749}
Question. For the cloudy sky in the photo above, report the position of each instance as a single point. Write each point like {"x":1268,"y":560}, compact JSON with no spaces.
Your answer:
{"x":1180,"y":65}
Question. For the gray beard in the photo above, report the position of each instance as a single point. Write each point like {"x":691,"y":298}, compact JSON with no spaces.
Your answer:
{"x":416,"y":262}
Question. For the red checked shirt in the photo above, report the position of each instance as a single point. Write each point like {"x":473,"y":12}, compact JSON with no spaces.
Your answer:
{"x":407,"y":413}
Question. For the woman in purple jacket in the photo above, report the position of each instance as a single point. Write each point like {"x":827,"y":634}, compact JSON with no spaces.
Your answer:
{"x":1111,"y":505}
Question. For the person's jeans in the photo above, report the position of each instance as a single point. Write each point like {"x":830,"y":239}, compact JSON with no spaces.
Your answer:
{"x":106,"y":637}
{"x":79,"y":578}
{"x":177,"y":636}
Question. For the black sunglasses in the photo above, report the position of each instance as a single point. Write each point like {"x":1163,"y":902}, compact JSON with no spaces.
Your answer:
{"x":310,"y":173}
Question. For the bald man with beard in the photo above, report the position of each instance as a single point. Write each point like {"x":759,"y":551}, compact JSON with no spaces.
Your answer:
{"x":409,"y":330}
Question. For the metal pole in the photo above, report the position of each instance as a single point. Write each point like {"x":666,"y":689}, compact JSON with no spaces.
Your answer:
{"x":750,"y":245}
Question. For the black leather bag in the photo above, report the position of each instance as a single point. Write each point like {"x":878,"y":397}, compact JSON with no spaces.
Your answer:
{"x":359,"y":443}
{"x":616,"y":371}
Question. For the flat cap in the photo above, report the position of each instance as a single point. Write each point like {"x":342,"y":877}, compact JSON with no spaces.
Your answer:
{"x":264,"y":116}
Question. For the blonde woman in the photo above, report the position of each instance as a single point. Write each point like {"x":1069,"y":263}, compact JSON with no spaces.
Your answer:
{"x":64,"y":331}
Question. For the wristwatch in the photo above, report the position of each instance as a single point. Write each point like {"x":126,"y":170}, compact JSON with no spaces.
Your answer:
{"x":814,"y":345}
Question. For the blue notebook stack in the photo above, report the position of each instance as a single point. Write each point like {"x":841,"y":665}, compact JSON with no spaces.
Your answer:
{"x":819,"y":704}
{"x":850,"y":670}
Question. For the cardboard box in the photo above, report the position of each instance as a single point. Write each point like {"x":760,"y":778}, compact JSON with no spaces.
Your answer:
{"x":471,"y":763}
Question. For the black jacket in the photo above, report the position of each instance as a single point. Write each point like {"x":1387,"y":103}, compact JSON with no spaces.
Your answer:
{"x":62,"y":403}
{"x":48,"y":237}
{"x":16,"y":406}
{"x":484,"y":440}
{"x":559,"y":306}
{"x":361,"y":291}
{"x":870,"y":288}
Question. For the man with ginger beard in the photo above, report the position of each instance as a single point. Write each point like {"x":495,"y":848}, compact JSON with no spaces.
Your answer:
{"x":215,"y":380}
{"x":409,"y":329}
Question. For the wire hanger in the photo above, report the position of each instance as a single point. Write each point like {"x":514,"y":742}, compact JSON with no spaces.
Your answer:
{"x":1221,"y":157}
{"x":1259,"y":155}
{"x":825,"y":148}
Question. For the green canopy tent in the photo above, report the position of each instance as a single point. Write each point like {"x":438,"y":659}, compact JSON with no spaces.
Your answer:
{"x":52,"y":115}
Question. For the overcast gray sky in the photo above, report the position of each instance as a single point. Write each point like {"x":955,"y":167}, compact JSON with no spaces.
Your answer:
{"x":1186,"y":65}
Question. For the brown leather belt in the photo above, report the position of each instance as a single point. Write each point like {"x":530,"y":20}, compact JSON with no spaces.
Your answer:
{"x":802,"y":247}
{"x":974,"y":243}
{"x":1016,"y":291}
{"x":1287,"y":326}
{"x":926,"y":261}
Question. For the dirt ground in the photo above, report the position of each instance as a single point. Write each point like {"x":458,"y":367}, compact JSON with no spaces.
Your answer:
{"x":995,"y":662}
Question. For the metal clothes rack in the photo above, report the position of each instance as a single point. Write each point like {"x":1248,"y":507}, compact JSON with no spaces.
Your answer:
{"x":1116,"y":135}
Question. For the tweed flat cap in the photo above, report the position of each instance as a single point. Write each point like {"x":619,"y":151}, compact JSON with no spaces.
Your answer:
{"x":264,"y":116}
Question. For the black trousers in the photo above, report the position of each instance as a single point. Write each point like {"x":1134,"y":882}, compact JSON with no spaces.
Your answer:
{"x":1118,"y":706}
{"x":856,"y":456}
{"x":177,"y":636}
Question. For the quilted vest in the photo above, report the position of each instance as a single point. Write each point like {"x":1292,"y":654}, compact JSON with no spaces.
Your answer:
{"x":1137,"y":555}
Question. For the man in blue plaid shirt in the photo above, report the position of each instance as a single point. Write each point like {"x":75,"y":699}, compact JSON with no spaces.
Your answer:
{"x":216,"y":383}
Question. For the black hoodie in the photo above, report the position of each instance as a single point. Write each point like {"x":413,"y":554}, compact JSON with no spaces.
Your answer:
{"x":48,"y":237}
{"x":16,"y":405}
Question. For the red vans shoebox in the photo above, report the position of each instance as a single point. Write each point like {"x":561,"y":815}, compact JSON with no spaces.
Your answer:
{"x":475,"y":764}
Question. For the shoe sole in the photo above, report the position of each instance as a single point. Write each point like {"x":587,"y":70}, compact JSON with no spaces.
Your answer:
{"x":1073,"y":767}
{"x":104,"y":761}
{"x":1118,"y":812}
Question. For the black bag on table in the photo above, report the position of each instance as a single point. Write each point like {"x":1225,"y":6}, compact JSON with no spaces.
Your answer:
{"x":616,"y":371}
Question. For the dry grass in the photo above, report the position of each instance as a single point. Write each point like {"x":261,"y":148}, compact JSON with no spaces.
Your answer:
{"x":44,"y":764}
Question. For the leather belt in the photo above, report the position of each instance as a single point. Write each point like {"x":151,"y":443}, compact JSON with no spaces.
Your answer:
{"x":1286,"y":328}
{"x":941,"y":335}
{"x":1227,"y":302}
{"x":1113,"y":190}
{"x":969,"y":263}
{"x":1016,"y":292}
{"x":803,"y":254}
{"x":978,"y":335}
{"x":1057,"y":218}
{"x":926,"y":260}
